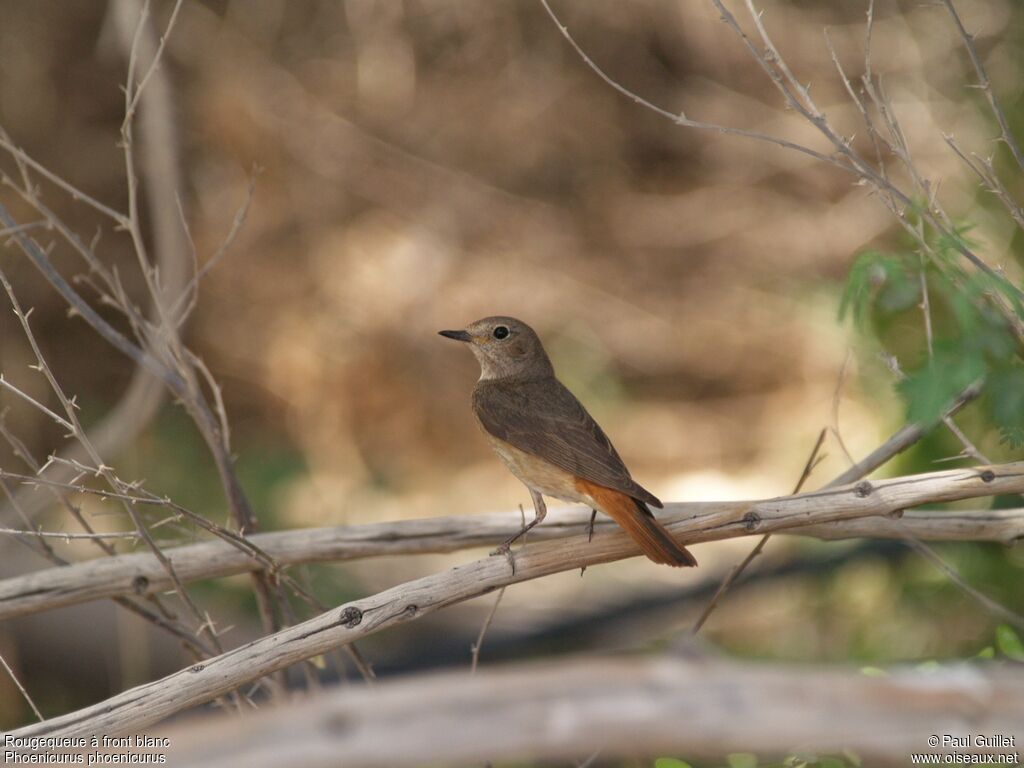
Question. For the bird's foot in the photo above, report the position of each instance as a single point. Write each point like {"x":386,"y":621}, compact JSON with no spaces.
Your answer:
{"x":506,"y":550}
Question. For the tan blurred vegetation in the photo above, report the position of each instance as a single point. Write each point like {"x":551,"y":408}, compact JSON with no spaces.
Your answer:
{"x":422,"y":164}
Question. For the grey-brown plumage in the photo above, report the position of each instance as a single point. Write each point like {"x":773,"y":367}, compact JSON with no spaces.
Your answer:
{"x":548,"y":440}
{"x":543,"y":418}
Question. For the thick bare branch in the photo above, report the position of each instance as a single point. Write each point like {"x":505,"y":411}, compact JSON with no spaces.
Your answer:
{"x":144,"y":705}
{"x":627,"y":708}
{"x":140,"y":573}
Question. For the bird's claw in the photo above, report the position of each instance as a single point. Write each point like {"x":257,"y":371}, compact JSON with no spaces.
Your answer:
{"x":506,"y":550}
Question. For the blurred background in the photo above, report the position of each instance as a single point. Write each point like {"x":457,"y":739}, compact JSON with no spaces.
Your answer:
{"x":421,"y":164}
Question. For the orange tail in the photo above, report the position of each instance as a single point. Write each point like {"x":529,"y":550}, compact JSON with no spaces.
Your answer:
{"x":639,"y":523}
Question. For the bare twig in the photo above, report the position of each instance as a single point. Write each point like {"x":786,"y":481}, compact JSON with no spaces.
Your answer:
{"x":798,"y":98}
{"x":475,"y":648}
{"x":21,"y":688}
{"x":985,"y":84}
{"x":812,"y":461}
{"x":133,"y":535}
{"x":678,"y":117}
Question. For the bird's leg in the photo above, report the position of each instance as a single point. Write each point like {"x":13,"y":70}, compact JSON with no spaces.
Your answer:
{"x":590,"y":537}
{"x":540,"y":510}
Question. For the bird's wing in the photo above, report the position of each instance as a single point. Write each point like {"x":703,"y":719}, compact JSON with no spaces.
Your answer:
{"x":545,"y":419}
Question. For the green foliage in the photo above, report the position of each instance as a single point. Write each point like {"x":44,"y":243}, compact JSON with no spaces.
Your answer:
{"x":943,"y":327}
{"x":1009,"y":643}
{"x":671,"y":762}
{"x":742,"y":760}
{"x":877,"y":280}
{"x":928,"y":389}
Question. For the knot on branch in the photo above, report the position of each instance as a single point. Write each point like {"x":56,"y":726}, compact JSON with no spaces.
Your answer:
{"x":140,"y":585}
{"x":863,"y":489}
{"x":751,"y":521}
{"x":351,"y":617}
{"x":197,"y":668}
{"x":987,"y":476}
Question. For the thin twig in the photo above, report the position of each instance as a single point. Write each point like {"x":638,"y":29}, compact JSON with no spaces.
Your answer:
{"x":475,"y":647}
{"x":21,"y":688}
{"x":985,"y":84}
{"x":812,"y":461}
{"x":71,"y":536}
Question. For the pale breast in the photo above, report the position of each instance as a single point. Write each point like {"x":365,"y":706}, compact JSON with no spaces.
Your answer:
{"x":540,"y":475}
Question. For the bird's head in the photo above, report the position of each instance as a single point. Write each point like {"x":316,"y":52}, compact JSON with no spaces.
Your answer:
{"x":505,"y":348}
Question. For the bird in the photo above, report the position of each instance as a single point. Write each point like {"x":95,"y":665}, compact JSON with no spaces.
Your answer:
{"x":549,"y":441}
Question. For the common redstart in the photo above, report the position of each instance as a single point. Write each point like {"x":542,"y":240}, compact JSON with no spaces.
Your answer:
{"x":548,"y":440}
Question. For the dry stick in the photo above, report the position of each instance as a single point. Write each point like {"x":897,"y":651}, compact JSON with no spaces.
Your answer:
{"x":812,"y":461}
{"x":139,"y":573}
{"x":141,"y":584}
{"x":74,"y":192}
{"x":772,"y":62}
{"x":81,"y":307}
{"x":639,"y":707}
{"x":475,"y":647}
{"x":190,"y":292}
{"x":678,"y":117}
{"x":167,"y":621}
{"x":34,"y":534}
{"x":174,"y":372}
{"x":159,"y":619}
{"x":166,"y":339}
{"x":992,"y":606}
{"x":24,"y":693}
{"x":142,"y":357}
{"x":853,"y":164}
{"x":144,"y":705}
{"x":67,"y":537}
{"x":899,"y":442}
{"x":985,"y":84}
{"x":79,"y":434}
{"x":902,"y":439}
{"x":858,"y":102}
{"x":986,"y":172}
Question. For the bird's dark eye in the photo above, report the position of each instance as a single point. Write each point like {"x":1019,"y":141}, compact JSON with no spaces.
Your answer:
{"x":501,"y":332}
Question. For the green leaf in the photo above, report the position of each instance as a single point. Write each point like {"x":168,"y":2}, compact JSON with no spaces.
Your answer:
{"x":1009,"y":643}
{"x":877,"y":278}
{"x":1004,"y":400}
{"x":988,"y":652}
{"x":671,"y":762}
{"x":930,"y":389}
{"x":741,"y":760}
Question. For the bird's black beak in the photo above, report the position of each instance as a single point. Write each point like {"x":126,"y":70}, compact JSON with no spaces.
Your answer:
{"x":457,"y":335}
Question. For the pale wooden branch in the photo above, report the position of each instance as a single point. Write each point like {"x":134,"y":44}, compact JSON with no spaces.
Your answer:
{"x":144,"y":705}
{"x":627,"y":708}
{"x":140,"y":573}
